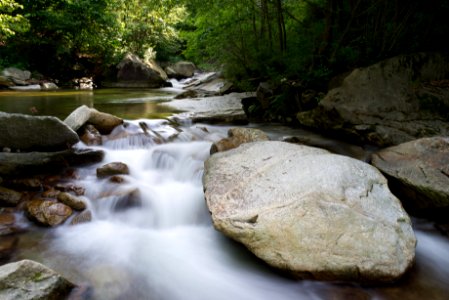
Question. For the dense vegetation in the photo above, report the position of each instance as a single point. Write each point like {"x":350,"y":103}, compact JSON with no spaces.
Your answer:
{"x":249,"y":39}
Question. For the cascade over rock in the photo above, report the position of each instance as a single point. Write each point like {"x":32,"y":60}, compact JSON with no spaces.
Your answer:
{"x":309,"y":212}
{"x":388,"y":103}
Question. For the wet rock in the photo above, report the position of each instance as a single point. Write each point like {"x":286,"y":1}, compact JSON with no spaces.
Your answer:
{"x":219,"y":109}
{"x":72,"y":201}
{"x":103,"y":122}
{"x":111,"y":169}
{"x":238,"y":136}
{"x":7,"y":223}
{"x":117,"y":179}
{"x":83,"y":217}
{"x":419,"y":173}
{"x":388,"y":103}
{"x":27,"y":184}
{"x":50,"y":193}
{"x":70,"y":187}
{"x":309,"y":212}
{"x":29,"y":280}
{"x":122,"y":199}
{"x":31,"y":133}
{"x":9,"y":197}
{"x":46,"y":162}
{"x":49,"y":213}
{"x":7,"y":247}
{"x":91,"y":136}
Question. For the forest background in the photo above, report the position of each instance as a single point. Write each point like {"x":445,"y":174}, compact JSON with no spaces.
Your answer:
{"x":250,"y":41}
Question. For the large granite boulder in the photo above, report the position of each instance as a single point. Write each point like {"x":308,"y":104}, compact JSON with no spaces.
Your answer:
{"x":419,"y":173}
{"x":135,"y":73}
{"x":218,"y":109}
{"x":30,"y":280}
{"x":103,"y":122}
{"x":31,"y":133}
{"x":391,"y":102}
{"x":16,"y":74}
{"x":309,"y":212}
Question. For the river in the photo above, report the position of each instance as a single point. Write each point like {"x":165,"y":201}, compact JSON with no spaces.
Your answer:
{"x":164,"y":246}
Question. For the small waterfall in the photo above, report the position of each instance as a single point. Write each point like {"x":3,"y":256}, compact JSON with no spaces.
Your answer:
{"x":151,"y":236}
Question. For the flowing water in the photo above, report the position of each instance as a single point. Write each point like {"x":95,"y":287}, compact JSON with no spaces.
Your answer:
{"x":151,"y":236}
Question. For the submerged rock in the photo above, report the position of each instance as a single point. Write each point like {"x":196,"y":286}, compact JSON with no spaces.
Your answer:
{"x":238,"y":136}
{"x":29,"y":280}
{"x":31,"y":133}
{"x":388,"y":103}
{"x":419,"y":173}
{"x":83,"y":217}
{"x":309,"y":212}
{"x":111,"y":169}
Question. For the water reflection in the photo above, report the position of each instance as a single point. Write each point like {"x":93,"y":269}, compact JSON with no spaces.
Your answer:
{"x":125,"y":103}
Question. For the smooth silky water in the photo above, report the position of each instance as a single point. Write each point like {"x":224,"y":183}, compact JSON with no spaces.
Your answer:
{"x":166,"y":247}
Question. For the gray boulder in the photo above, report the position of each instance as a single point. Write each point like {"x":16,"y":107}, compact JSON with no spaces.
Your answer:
{"x":134,"y":73}
{"x":15,"y":73}
{"x":48,"y":86}
{"x":309,"y":212}
{"x":419,"y":172}
{"x":31,"y":133}
{"x":28,"y":163}
{"x":391,"y":102}
{"x":103,"y":122}
{"x":218,"y":109}
{"x":181,"y":69}
{"x":29,"y":280}
{"x":31,"y":87}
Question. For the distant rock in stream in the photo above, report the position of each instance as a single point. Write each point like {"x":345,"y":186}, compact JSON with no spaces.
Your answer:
{"x":218,"y":109}
{"x":309,"y":212}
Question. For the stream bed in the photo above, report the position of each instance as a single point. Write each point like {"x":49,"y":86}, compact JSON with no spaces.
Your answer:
{"x":161,"y":245}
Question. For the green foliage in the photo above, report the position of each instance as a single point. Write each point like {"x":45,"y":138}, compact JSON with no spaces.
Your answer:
{"x":11,"y":22}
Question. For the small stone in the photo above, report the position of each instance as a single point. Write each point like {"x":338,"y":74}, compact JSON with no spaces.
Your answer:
{"x":9,"y":197}
{"x":116,"y":179}
{"x":70,"y":187}
{"x":72,"y":201}
{"x":83,"y":217}
{"x":115,"y":168}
